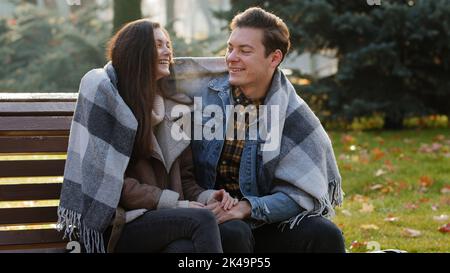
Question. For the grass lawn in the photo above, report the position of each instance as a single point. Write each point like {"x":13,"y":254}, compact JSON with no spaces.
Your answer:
{"x":397,"y":189}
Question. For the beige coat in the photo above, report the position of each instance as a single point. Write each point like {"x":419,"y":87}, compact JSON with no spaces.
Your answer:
{"x":161,"y":181}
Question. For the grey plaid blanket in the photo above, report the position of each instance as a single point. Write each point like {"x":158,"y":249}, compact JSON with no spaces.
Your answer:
{"x":303,"y":165}
{"x":100,"y":145}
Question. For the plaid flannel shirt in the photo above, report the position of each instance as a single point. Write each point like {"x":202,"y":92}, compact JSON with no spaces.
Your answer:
{"x":229,"y":162}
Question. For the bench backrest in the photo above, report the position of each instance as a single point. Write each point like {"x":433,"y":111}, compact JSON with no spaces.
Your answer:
{"x":32,"y":124}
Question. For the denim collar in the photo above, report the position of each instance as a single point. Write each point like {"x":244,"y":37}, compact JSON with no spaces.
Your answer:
{"x":220,"y":84}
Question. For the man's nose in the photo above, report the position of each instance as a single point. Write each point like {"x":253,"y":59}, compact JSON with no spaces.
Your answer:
{"x":232,"y":57}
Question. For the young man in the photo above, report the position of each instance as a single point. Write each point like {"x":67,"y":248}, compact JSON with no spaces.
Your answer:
{"x":294,"y":184}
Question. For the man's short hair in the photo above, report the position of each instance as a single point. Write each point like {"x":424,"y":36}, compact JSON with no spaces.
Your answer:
{"x":276,"y":34}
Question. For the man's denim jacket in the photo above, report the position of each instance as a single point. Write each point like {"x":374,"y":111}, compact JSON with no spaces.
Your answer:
{"x":207,"y":78}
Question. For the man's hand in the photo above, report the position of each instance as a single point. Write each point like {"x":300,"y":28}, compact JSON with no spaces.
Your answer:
{"x":226,"y":201}
{"x":241,"y":210}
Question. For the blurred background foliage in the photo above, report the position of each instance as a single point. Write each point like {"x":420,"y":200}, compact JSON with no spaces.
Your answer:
{"x":393,"y":59}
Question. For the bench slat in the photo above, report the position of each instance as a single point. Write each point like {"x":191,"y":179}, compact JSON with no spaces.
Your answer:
{"x":33,"y":144}
{"x":37,"y":97}
{"x":37,"y":236}
{"x":14,"y":216}
{"x":24,"y":168}
{"x":39,"y":124}
{"x":36,"y":248}
{"x":23,"y":192}
{"x":37,"y":108}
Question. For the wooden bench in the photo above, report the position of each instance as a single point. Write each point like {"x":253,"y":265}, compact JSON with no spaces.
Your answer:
{"x":38,"y":125}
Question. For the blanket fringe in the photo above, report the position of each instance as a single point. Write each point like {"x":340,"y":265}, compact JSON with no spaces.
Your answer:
{"x":70,"y":221}
{"x":324,"y":208}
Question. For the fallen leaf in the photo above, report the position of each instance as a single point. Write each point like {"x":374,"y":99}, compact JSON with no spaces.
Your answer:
{"x":434,"y":207}
{"x":342,"y":157}
{"x":377,"y":153}
{"x":380,"y":140}
{"x":376,"y":187}
{"x":408,"y":140}
{"x":445,"y":189}
{"x":347,"y":167}
{"x":388,"y":165}
{"x":391,"y":219}
{"x":359,"y":198}
{"x":439,"y":138}
{"x":346,"y":212}
{"x":395,"y":150}
{"x":425,"y":181}
{"x":347,"y":139}
{"x":358,"y":245}
{"x":411,"y":206}
{"x":380,"y":172}
{"x":369,"y":227}
{"x":387,"y":189}
{"x":445,"y":228}
{"x":440,"y":218}
{"x":409,"y":232}
{"x":364,"y":157}
{"x":366,"y":208}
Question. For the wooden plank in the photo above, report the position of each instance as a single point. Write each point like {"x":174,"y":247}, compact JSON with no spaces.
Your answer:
{"x":36,"y":248}
{"x":14,"y":216}
{"x":23,"y":192}
{"x":33,"y":144}
{"x":24,"y":168}
{"x":19,"y":96}
{"x":37,"y":108}
{"x":24,"y":237}
{"x":24,"y":124}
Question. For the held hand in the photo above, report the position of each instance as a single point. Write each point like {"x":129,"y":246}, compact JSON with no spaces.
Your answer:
{"x":241,"y":211}
{"x":196,"y":205}
{"x":226,"y":201}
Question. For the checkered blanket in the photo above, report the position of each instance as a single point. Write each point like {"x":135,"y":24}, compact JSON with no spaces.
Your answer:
{"x":303,"y":165}
{"x":100,"y":145}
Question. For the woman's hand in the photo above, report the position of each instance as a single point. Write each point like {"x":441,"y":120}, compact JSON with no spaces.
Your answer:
{"x":196,"y":205}
{"x":226,"y":201}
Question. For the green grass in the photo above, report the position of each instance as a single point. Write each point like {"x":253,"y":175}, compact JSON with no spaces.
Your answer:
{"x":388,"y":174}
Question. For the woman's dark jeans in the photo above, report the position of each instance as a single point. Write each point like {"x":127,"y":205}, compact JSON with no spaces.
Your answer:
{"x":312,"y":234}
{"x":181,"y":230}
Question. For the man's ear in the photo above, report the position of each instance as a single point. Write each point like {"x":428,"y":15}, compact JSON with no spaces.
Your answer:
{"x":276,"y":58}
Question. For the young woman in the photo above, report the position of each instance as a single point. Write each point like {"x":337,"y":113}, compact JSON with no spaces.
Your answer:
{"x":128,"y":185}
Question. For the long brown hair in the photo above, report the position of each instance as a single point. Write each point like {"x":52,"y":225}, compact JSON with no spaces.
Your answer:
{"x":134,"y":56}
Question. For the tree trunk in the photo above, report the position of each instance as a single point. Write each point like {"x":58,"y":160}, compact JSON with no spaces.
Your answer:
{"x":170,"y":15}
{"x":126,"y":11}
